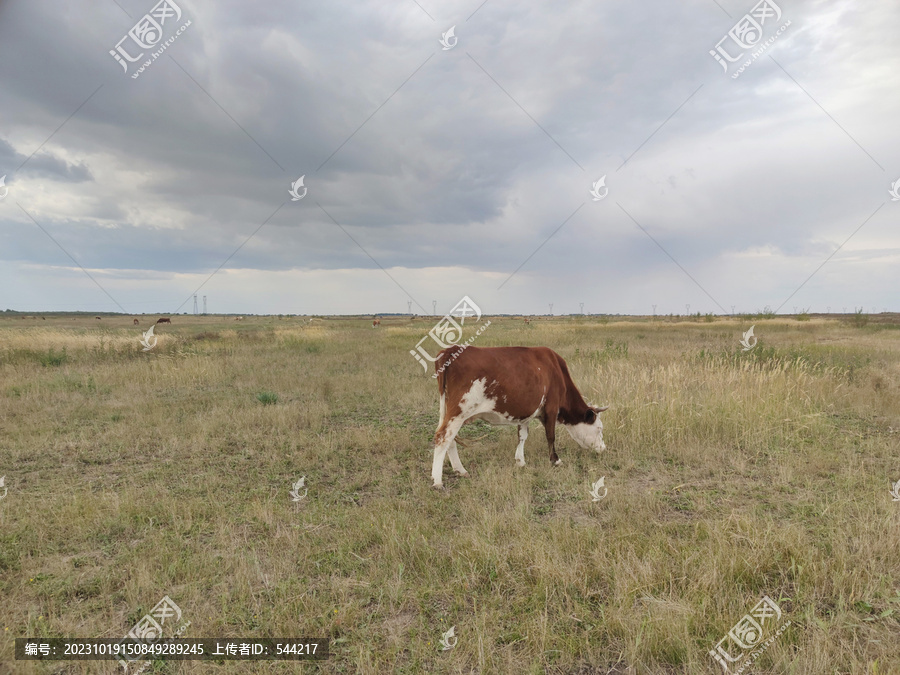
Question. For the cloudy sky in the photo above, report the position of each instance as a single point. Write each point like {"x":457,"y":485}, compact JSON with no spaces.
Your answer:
{"x":433,"y":173}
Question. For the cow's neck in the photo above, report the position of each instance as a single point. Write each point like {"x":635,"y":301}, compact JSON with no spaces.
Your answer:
{"x":573,"y":409}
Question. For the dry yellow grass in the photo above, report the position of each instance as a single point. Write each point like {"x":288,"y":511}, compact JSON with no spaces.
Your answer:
{"x":731,"y":476}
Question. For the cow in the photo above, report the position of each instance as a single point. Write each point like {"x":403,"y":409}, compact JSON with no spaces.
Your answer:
{"x":136,"y":322}
{"x":99,"y":318}
{"x":238,"y":318}
{"x":509,"y":386}
{"x":376,"y":323}
{"x":163,"y":320}
{"x":527,"y":320}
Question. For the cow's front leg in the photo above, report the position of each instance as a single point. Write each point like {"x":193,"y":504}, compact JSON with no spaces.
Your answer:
{"x":550,"y":430}
{"x":520,"y":448}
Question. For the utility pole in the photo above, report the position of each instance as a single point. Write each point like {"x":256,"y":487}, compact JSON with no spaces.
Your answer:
{"x":204,"y":304}
{"x":551,"y":309}
{"x":196,"y":311}
{"x":434,"y":307}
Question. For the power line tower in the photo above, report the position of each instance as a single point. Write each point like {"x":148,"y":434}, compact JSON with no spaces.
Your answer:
{"x":551,"y":308}
{"x":409,"y":306}
{"x":204,"y":304}
{"x":434,"y":307}
{"x":582,"y":308}
{"x":196,"y":311}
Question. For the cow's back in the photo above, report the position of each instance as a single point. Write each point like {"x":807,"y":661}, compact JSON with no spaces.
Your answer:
{"x":519,"y":379}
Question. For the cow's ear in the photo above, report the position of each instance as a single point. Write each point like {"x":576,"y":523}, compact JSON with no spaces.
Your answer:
{"x":590,"y":416}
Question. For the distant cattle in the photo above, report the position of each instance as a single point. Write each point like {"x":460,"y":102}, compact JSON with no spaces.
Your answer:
{"x":527,"y":320}
{"x":509,"y":386}
{"x":376,"y":322}
{"x":136,"y":322}
{"x":99,"y":318}
{"x":164,"y":320}
{"x":238,"y":318}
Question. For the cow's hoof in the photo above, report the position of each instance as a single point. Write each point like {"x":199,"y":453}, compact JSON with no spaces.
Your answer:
{"x":557,"y":462}
{"x":438,"y":486}
{"x":464,"y":474}
{"x":520,"y":462}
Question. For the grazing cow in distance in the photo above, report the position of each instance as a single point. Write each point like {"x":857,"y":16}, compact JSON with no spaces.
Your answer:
{"x":376,"y":322}
{"x":136,"y":322}
{"x":99,"y":318}
{"x":163,"y":320}
{"x":509,"y":385}
{"x":527,"y":320}
{"x":238,"y":318}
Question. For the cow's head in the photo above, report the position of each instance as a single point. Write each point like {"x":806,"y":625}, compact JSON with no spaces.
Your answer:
{"x":589,"y":432}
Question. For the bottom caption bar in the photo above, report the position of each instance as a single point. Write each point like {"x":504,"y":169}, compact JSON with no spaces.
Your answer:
{"x":175,"y":649}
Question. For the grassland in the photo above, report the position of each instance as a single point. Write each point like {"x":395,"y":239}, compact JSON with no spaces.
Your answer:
{"x":732,"y":475}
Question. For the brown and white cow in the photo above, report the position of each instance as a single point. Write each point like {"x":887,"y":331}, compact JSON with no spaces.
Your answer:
{"x":136,"y":322}
{"x":509,"y":385}
{"x":376,"y":323}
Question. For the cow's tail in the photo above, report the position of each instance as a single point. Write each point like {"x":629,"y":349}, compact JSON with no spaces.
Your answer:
{"x":441,"y":373}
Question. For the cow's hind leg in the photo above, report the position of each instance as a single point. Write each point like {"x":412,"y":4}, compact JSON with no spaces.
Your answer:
{"x":443,"y":440}
{"x":454,"y":460}
{"x":520,"y":448}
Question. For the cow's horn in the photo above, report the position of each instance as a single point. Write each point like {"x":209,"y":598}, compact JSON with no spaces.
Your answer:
{"x":604,"y":408}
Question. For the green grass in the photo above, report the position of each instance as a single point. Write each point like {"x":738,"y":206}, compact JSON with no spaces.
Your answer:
{"x":267,"y":398}
{"x":731,"y":475}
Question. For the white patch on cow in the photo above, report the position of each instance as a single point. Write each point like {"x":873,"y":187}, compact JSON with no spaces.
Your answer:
{"x":588,"y":436}
{"x":476,"y":400}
